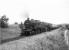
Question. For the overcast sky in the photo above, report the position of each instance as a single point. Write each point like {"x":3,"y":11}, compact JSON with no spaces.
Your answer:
{"x":52,"y":11}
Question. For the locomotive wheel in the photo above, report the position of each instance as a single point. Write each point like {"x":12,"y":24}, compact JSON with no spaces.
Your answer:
{"x":22,"y":34}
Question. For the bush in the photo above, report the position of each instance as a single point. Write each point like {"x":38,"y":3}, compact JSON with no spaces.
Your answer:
{"x":15,"y":23}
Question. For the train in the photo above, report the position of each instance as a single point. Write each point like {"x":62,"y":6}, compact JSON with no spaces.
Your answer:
{"x":33,"y":27}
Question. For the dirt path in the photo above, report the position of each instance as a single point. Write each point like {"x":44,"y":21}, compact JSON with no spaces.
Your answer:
{"x":67,"y":36}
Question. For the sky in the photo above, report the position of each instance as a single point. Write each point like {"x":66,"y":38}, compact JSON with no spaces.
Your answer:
{"x":52,"y":11}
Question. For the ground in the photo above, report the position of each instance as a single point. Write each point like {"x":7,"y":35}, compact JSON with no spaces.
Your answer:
{"x":46,"y":41}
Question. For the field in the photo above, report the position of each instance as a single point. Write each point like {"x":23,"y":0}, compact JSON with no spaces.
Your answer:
{"x":11,"y":32}
{"x":46,"y":41}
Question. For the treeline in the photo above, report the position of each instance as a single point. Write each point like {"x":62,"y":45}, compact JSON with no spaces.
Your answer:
{"x":4,"y":21}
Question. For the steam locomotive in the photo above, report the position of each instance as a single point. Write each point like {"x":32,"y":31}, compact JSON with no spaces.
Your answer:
{"x":31,"y":27}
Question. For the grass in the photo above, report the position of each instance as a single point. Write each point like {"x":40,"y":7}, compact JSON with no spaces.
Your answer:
{"x":11,"y":32}
{"x":46,"y":41}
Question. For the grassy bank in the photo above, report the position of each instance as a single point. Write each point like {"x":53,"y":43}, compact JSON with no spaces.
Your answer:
{"x":46,"y":41}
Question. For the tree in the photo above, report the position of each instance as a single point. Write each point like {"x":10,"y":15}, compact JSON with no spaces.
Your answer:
{"x":15,"y":23}
{"x":4,"y":22}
